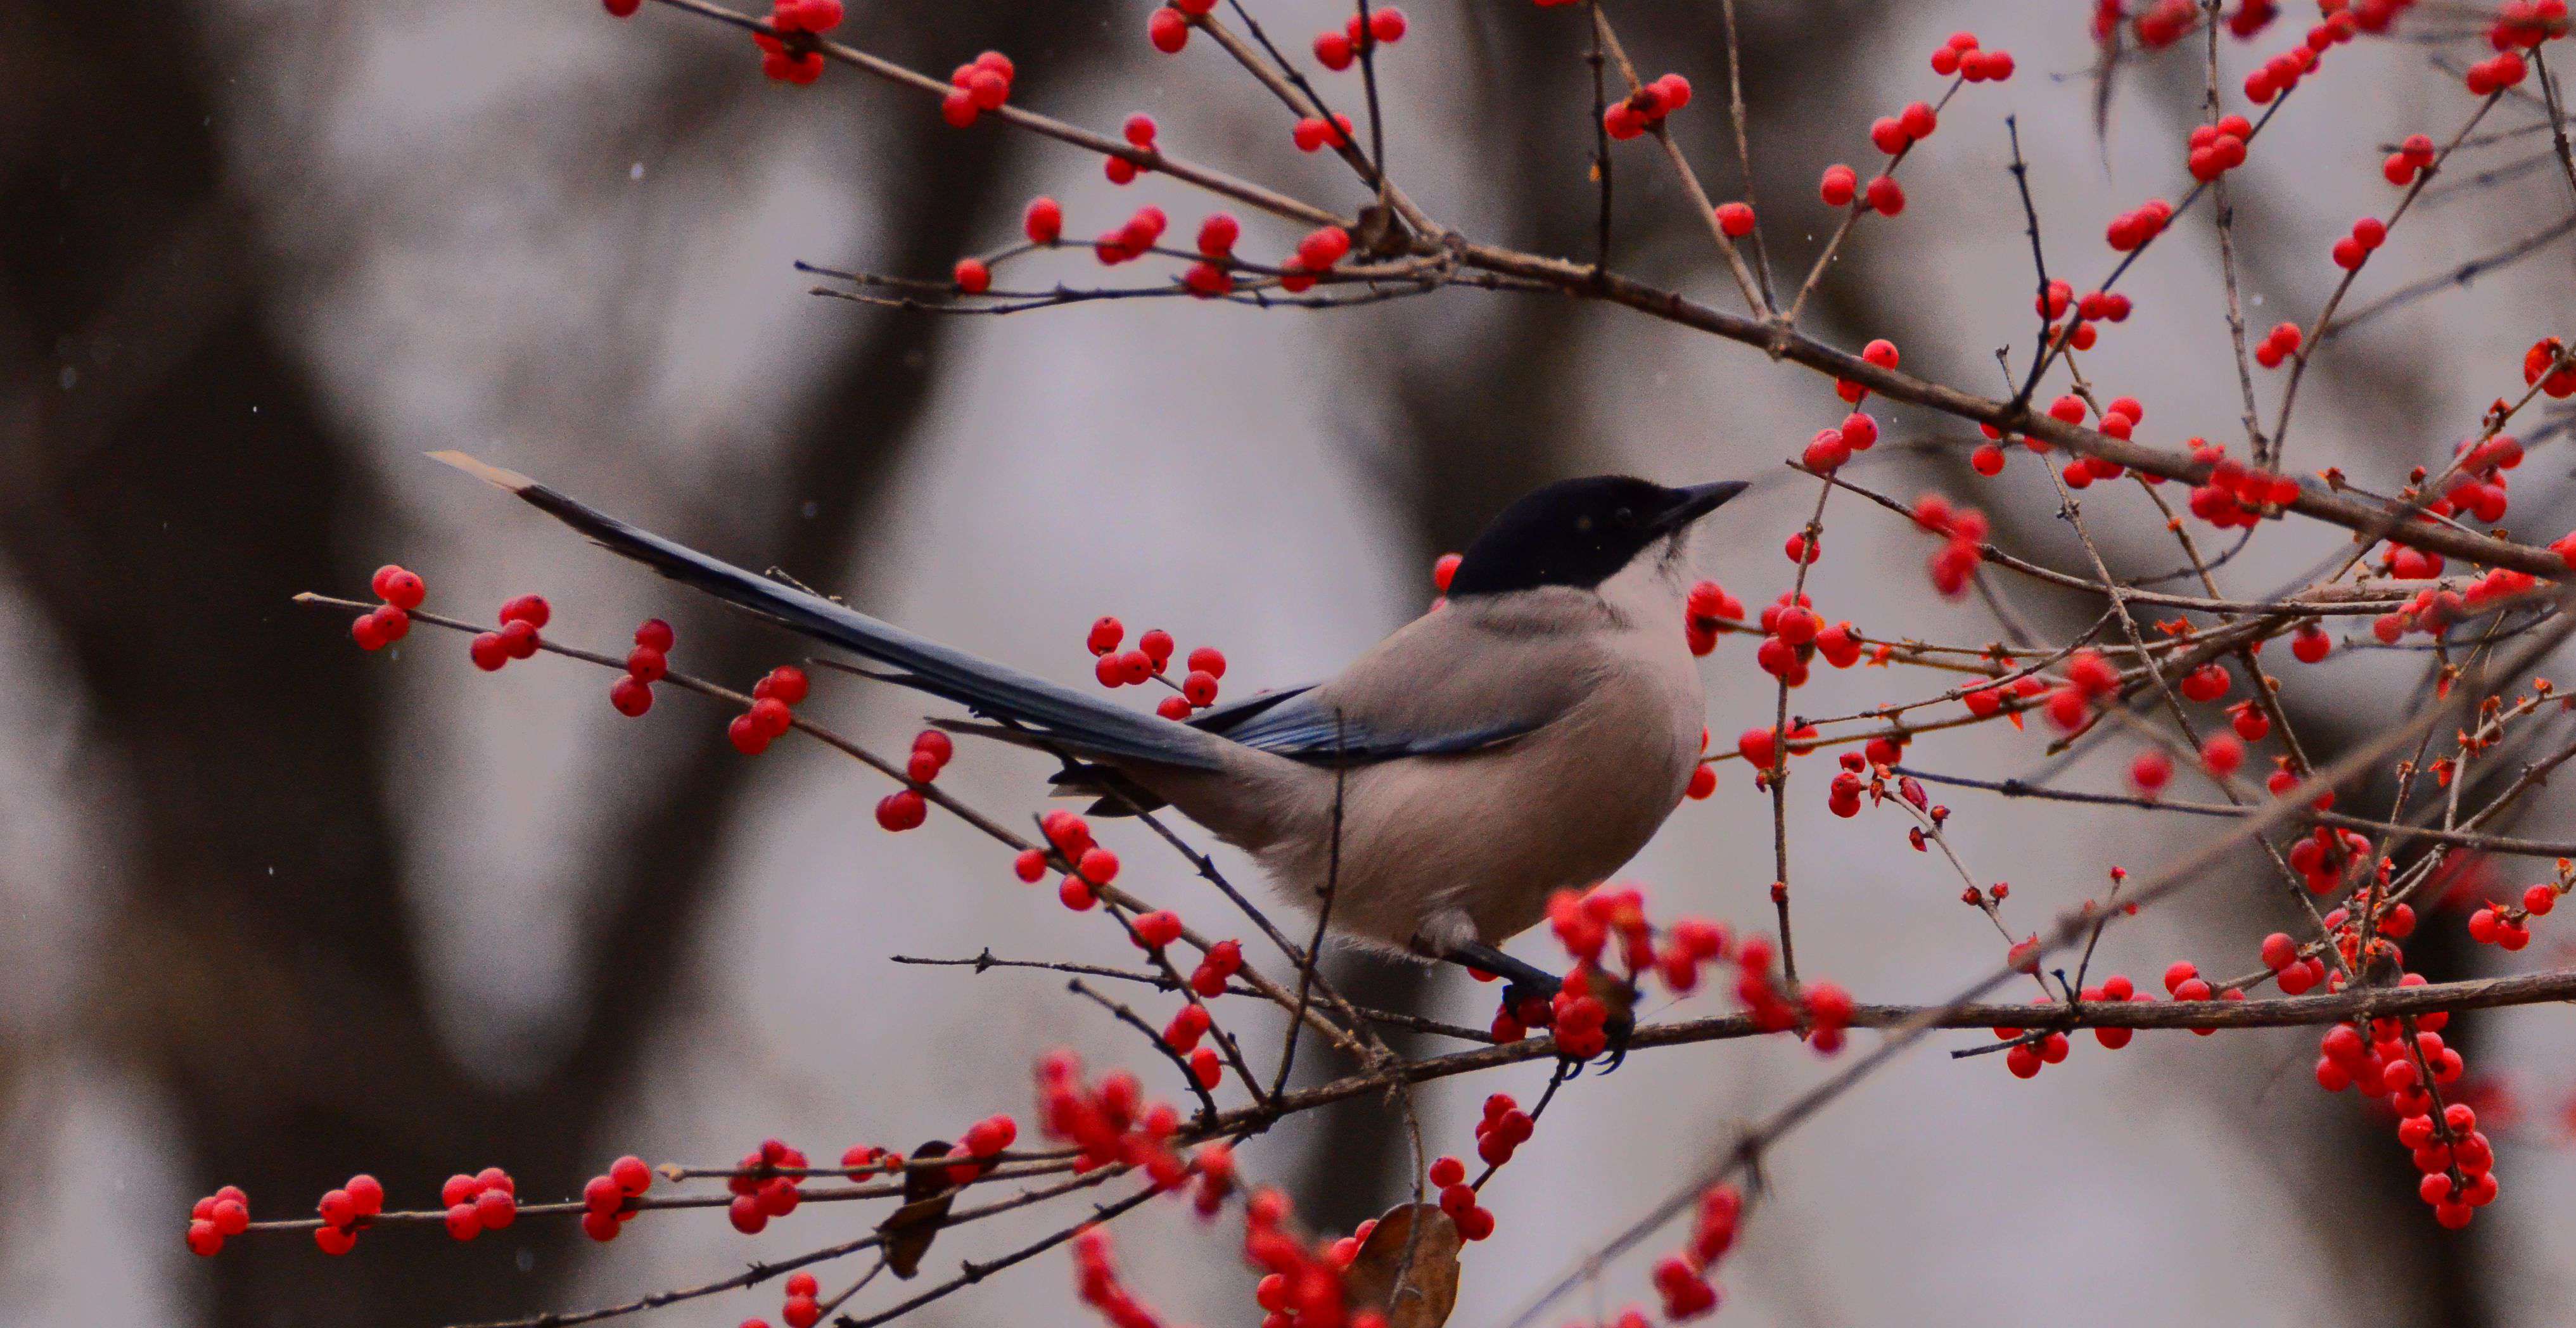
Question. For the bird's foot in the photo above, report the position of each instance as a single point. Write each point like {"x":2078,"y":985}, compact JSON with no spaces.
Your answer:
{"x":1599,"y":1020}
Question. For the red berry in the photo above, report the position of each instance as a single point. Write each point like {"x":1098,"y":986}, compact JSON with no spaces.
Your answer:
{"x":1886,"y":196}
{"x":902,"y":809}
{"x":631,"y":696}
{"x":519,"y":638}
{"x":655,"y":635}
{"x":1158,"y":929}
{"x":972,"y":276}
{"x":1043,"y":223}
{"x":1840,"y":183}
{"x":1168,"y":30}
{"x":1735,"y":220}
{"x":399,"y":587}
{"x":1387,"y":25}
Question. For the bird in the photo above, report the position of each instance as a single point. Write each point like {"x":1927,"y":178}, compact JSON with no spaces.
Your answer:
{"x":1527,"y":735}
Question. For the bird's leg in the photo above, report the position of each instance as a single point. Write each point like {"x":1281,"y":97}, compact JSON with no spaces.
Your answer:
{"x":1524,"y":982}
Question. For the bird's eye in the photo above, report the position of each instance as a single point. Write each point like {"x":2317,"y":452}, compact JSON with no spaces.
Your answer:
{"x":1626,"y":516}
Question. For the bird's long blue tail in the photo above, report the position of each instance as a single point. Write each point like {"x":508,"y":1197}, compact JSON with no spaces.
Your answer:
{"x":1083,"y":724}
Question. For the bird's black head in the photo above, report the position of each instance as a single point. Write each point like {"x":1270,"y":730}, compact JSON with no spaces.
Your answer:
{"x":1580,"y":532}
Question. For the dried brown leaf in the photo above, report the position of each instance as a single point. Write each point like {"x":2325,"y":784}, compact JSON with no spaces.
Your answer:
{"x":1430,"y":1287}
{"x":910,"y":1229}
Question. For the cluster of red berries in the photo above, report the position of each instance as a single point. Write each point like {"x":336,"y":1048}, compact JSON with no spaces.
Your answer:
{"x":1299,"y":1288}
{"x":2409,"y":160}
{"x":2507,"y":926}
{"x":2549,"y":365}
{"x":2283,"y":72}
{"x":2456,"y":1160}
{"x":1880,"y":353}
{"x":980,"y":85}
{"x":2324,"y":857}
{"x":1988,"y":700}
{"x":2353,"y":250}
{"x":2236,"y":495}
{"x":2434,"y":609}
{"x":1705,"y":612}
{"x":2252,"y":16}
{"x":2215,"y":149}
{"x":1322,"y":248}
{"x":1313,"y":133}
{"x":1963,"y":532}
{"x":1793,"y":635}
{"x":1893,"y":134}
{"x":2296,"y":975}
{"x":2135,"y":227}
{"x":1140,"y":131}
{"x":2528,"y":23}
{"x":1212,"y":275}
{"x":402,"y":592}
{"x":803,"y":1307}
{"x":1962,"y":56}
{"x":1759,"y":748}
{"x":1087,"y":865}
{"x":1645,"y":108}
{"x":2372,"y":15}
{"x":608,"y":1200}
{"x":1335,"y":49}
{"x":226,"y":1212}
{"x":2477,"y":485}
{"x":2095,"y":308}
{"x":906,"y":808}
{"x":1682,"y":1279}
{"x":1864,"y":772}
{"x":485,"y":1201}
{"x":346,"y":1211}
{"x":1168,"y":28}
{"x":2119,"y":420}
{"x":2277,"y":345}
{"x":1830,"y":448}
{"x":771,"y":713}
{"x":1504,"y":1128}
{"x":789,"y":55}
{"x":1150,"y":660}
{"x":1840,"y":184}
{"x":760,"y":1191}
{"x":517,"y":639}
{"x":1132,"y":239}
{"x":1190,"y":1023}
{"x":972,"y":1156}
{"x":1096,"y":1278}
{"x":2161,"y":24}
{"x":648,"y":663}
{"x":2494,"y":74}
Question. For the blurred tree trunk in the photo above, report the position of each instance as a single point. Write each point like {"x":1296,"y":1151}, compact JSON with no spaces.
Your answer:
{"x":176,"y":477}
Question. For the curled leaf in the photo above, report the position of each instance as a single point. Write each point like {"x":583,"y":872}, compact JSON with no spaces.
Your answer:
{"x":908,"y":1230}
{"x":1429,"y":1287}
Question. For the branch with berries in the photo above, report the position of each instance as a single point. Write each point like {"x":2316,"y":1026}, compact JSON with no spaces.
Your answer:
{"x":2429,"y":570}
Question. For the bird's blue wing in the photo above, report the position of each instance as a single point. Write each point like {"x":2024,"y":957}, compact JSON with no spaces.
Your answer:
{"x":1306,"y":727}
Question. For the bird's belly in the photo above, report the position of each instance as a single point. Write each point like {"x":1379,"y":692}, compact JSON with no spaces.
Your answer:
{"x":1493,"y":834}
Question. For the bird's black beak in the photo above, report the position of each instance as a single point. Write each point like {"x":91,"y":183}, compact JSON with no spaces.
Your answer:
{"x":1692,"y":502}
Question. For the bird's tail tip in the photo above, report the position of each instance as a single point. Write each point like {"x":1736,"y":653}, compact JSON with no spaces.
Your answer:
{"x":486,"y":472}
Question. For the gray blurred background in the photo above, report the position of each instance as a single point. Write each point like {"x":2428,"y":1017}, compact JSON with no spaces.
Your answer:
{"x":277,"y":911}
